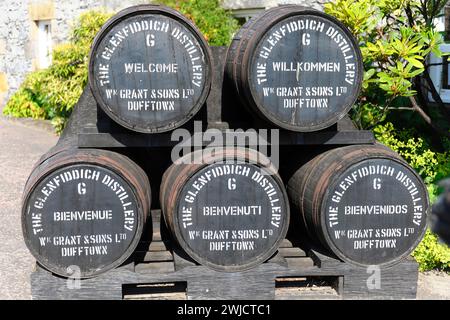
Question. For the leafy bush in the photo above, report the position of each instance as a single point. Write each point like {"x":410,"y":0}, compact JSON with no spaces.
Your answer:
{"x":53,"y":92}
{"x":432,"y":166}
{"x":430,"y":254}
{"x":216,"y":23}
{"x":396,"y":37}
{"x":22,"y":105}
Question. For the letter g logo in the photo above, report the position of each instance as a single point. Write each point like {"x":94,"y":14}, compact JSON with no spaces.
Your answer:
{"x":82,"y":188}
{"x":150,"y":40}
{"x":232,"y":184}
{"x":377,"y":184}
{"x":306,"y":39}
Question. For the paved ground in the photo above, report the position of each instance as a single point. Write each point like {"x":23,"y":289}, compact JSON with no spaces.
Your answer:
{"x":21,"y":145}
{"x":434,"y":285}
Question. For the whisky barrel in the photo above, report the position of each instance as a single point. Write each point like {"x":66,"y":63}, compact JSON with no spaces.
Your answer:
{"x":363,"y":203}
{"x":227,"y":210}
{"x":83,"y":211}
{"x":149,"y":68}
{"x":298,"y":68}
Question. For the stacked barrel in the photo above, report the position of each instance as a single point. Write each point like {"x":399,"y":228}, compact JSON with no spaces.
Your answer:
{"x":296,"y":68}
{"x":362,"y":203}
{"x":84,"y":208}
{"x":227,"y":208}
{"x":150,"y":69}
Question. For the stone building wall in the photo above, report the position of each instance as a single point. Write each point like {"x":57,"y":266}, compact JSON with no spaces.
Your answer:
{"x":18,"y":33}
{"x":15,"y":60}
{"x":255,"y":4}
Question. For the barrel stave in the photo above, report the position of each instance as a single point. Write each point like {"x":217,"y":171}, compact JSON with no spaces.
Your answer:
{"x":177,"y":185}
{"x":345,"y":197}
{"x":151,"y":80}
{"x":248,"y":66}
{"x":100,"y":241}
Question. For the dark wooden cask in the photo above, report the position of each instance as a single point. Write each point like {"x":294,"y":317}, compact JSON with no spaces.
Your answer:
{"x":84,"y":211}
{"x":298,"y":68}
{"x":228,"y":210}
{"x":149,"y":69}
{"x":363,"y":203}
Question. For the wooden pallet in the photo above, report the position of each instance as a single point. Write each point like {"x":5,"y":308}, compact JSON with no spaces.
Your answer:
{"x":158,"y":270}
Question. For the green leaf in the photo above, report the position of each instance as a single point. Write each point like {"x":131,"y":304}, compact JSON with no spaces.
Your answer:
{"x":415,"y":73}
{"x":369,"y":74}
{"x":416,"y":63}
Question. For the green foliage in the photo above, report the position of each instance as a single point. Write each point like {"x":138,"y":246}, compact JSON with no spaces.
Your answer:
{"x":413,"y":150}
{"x":217,"y":24}
{"x":361,"y":17}
{"x":395,"y":38}
{"x":430,"y":254}
{"x":432,"y":166}
{"x":27,"y":107}
{"x":52,"y":93}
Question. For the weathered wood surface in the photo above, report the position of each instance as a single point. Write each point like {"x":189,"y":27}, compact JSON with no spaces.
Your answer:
{"x":96,"y":130}
{"x":398,"y":282}
{"x":304,"y":277}
{"x":296,"y":67}
{"x":363,"y":203}
{"x":160,"y":270}
{"x":150,"y":68}
{"x":123,"y":140}
{"x":227,"y":210}
{"x":90,"y":127}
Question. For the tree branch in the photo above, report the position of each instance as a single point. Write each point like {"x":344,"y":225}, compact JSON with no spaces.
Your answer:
{"x":402,"y":108}
{"x":436,"y":96}
{"x":383,"y":113}
{"x":427,"y":65}
{"x":418,"y":109}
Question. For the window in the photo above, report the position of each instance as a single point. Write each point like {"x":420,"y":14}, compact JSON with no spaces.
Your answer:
{"x":439,"y":73}
{"x":439,"y":67}
{"x":44,"y":43}
{"x":244,"y":15}
{"x":446,"y":21}
{"x":445,"y":76}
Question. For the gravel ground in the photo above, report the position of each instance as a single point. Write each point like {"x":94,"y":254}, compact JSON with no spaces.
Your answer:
{"x":434,"y":285}
{"x":21,"y":145}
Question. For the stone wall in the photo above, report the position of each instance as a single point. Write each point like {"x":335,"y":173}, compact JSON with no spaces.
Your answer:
{"x":15,"y":59}
{"x":68,"y":10}
{"x":256,"y":4}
